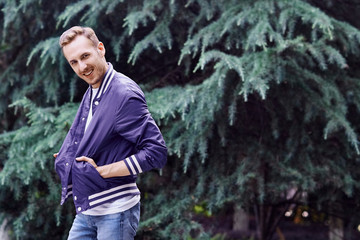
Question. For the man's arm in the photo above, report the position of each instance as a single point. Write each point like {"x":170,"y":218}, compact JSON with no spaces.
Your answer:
{"x":135,"y":124}
{"x":117,"y":169}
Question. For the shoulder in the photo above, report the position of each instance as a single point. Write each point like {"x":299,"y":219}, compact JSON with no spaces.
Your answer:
{"x":85,"y":97}
{"x":124,"y":86}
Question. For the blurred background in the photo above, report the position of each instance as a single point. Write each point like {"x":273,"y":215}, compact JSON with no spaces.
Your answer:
{"x":258,"y":101}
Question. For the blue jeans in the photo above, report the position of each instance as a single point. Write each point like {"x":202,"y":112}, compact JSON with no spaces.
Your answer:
{"x":118,"y":226}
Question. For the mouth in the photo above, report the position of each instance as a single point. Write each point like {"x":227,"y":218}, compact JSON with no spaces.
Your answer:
{"x":88,"y":73}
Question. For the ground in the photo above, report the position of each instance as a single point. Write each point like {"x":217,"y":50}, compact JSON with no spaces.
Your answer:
{"x":221,"y":225}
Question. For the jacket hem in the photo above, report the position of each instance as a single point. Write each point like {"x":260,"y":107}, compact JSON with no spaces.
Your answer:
{"x":113,"y":193}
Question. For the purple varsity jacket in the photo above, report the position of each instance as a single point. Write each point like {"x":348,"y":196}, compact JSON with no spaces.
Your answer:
{"x":121,"y":129}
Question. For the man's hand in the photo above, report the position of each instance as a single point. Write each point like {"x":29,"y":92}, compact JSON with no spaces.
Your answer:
{"x":86,"y":159}
{"x":116,"y":169}
{"x":55,"y":155}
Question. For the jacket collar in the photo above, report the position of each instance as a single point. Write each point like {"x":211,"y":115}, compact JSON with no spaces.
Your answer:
{"x":109,"y":75}
{"x":106,"y":81}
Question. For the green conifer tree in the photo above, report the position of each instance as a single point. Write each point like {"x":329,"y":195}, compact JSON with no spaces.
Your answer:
{"x":254,"y":98}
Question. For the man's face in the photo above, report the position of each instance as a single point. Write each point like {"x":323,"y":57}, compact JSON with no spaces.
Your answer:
{"x":87,"y":61}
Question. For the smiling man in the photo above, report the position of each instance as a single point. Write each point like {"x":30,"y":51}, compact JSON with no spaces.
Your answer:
{"x":113,"y":139}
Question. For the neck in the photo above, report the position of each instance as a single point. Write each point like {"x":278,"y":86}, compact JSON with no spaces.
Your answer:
{"x":106,"y":68}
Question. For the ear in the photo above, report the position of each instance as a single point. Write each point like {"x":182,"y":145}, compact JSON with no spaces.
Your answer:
{"x":101,"y":49}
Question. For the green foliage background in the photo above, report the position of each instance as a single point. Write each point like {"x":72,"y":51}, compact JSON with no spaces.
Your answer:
{"x":253,"y":97}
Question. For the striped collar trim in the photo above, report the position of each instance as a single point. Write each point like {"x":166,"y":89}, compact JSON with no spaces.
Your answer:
{"x":109,"y":75}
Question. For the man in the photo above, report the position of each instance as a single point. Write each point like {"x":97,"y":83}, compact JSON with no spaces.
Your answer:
{"x":112,"y":139}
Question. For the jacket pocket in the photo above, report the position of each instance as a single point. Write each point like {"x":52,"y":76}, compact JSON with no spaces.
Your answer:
{"x":88,"y":178}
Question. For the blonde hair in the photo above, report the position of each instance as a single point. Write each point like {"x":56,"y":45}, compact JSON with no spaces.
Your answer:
{"x":69,"y":35}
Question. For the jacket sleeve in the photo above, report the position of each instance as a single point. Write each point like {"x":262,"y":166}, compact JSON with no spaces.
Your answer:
{"x":134,"y":123}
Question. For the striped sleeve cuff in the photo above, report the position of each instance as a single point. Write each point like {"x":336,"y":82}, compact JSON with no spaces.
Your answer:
{"x":133,"y":165}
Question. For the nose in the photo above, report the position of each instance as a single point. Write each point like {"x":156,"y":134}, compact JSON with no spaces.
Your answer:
{"x":82,"y":66}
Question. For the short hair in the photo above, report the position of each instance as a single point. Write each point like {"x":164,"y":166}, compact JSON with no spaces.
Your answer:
{"x":69,"y":35}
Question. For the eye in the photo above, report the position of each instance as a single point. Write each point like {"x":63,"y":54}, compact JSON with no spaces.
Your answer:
{"x":72,"y":63}
{"x":84,"y":56}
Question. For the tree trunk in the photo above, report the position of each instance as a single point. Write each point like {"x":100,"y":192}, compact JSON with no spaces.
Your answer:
{"x":4,"y":231}
{"x":336,"y":228}
{"x":240,"y":220}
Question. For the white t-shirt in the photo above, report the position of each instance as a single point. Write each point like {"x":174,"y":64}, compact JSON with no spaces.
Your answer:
{"x":119,"y":205}
{"x":94,"y":92}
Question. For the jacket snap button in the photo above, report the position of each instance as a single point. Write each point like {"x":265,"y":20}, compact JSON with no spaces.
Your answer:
{"x":79,"y":209}
{"x":75,"y":198}
{"x":96,"y":103}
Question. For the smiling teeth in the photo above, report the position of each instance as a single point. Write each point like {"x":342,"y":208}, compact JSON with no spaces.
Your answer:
{"x":88,"y":73}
